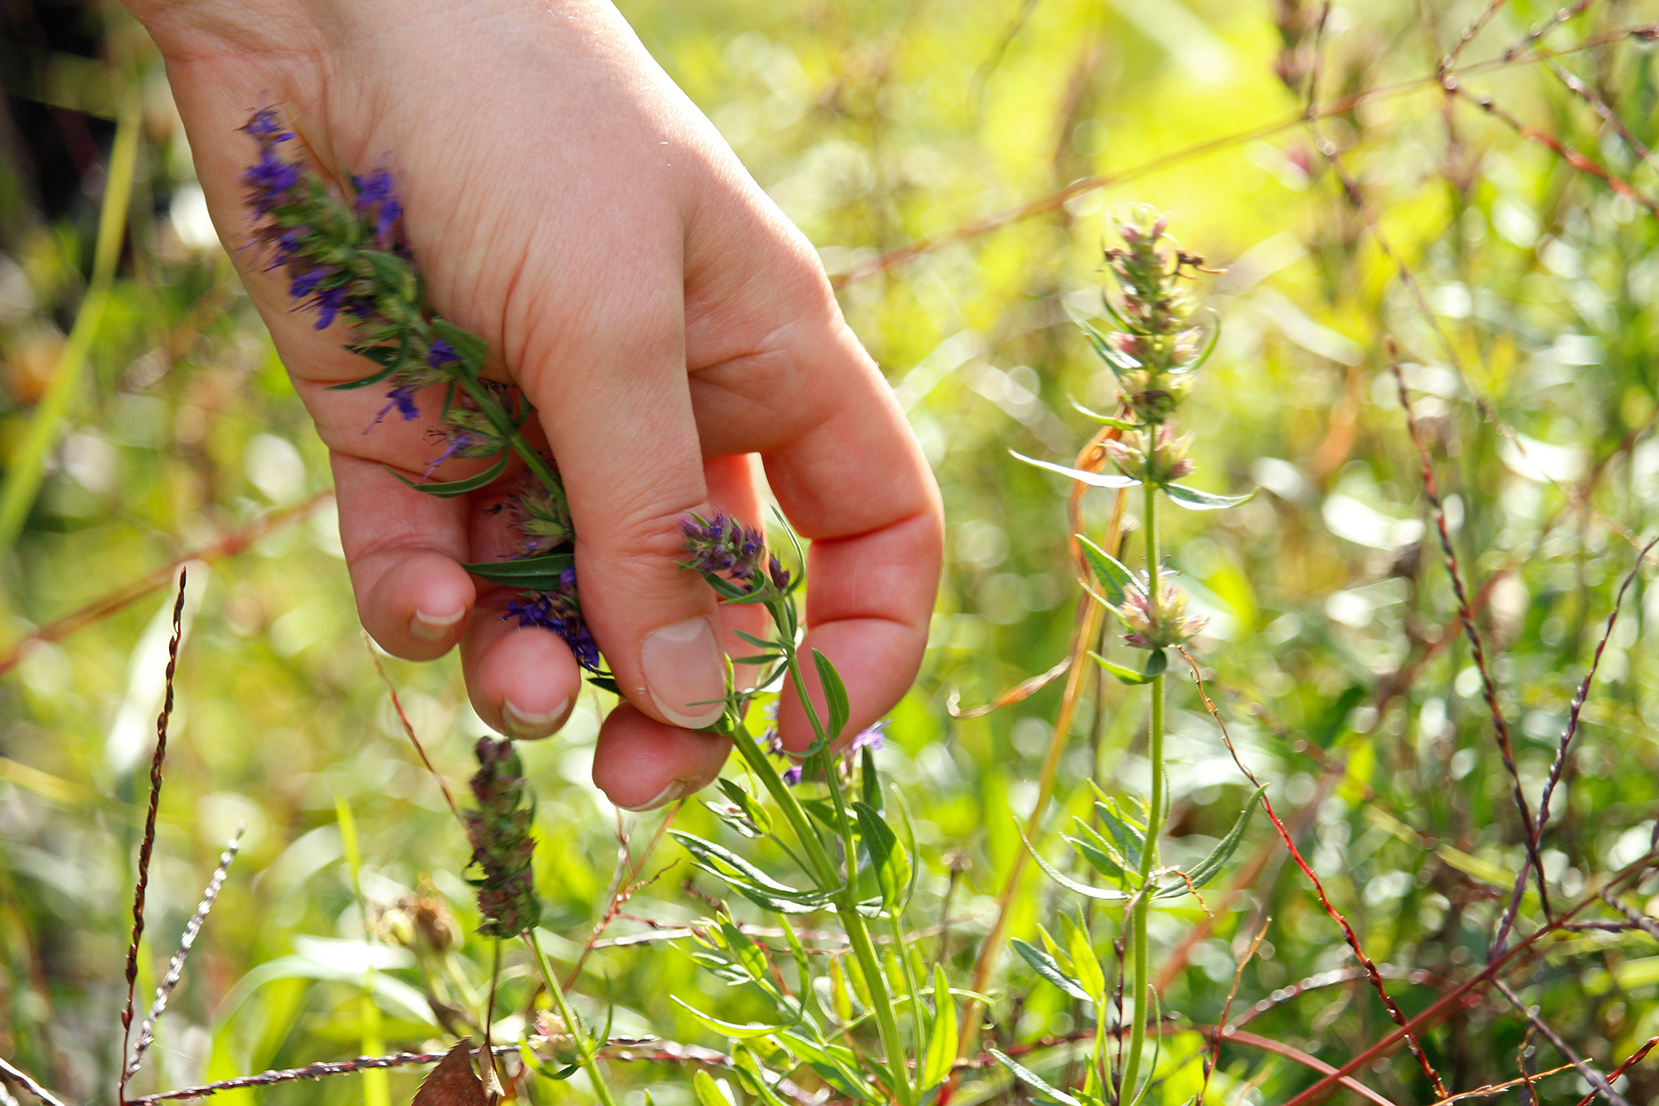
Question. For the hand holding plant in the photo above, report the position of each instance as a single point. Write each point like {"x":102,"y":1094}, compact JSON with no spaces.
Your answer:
{"x":566,"y":204}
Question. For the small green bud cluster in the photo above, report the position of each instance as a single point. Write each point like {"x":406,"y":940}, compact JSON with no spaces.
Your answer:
{"x":1157,"y":625}
{"x":1164,"y":460}
{"x":1157,"y":348}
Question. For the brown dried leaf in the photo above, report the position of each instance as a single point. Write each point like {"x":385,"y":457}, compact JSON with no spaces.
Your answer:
{"x":452,"y":1082}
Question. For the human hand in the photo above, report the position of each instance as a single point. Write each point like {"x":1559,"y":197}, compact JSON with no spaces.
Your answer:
{"x":565,"y":201}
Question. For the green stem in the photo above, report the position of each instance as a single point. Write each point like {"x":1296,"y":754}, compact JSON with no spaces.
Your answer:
{"x":821,"y":867}
{"x":503,"y":424}
{"x":1154,"y":818}
{"x":846,"y":899}
{"x":584,"y":1048}
{"x":902,"y":951}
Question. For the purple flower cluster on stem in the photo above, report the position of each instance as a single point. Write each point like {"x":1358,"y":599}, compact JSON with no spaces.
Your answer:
{"x":342,"y":257}
{"x":560,"y":612}
{"x":722,"y":548}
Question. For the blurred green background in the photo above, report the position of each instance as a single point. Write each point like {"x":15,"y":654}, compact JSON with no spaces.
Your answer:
{"x":145,"y":391}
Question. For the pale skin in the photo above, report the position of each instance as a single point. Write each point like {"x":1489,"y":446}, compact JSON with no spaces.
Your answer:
{"x":568,"y":204}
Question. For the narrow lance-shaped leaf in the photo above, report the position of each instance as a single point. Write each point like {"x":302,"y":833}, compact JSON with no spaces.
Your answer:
{"x":1208,"y":868}
{"x":1126,"y":675}
{"x":1115,"y":579}
{"x":1094,"y":479}
{"x":1046,"y":967}
{"x":1083,"y":960}
{"x":725,"y":1028}
{"x":1032,"y":1079}
{"x":1105,"y":420}
{"x":708,"y":1091}
{"x":869,"y":779}
{"x":835,"y":694}
{"x":942,"y":1040}
{"x":1194,"y":500}
{"x":892,"y":864}
{"x":1101,"y":893}
{"x":467,"y":346}
{"x":1101,"y":855}
{"x":447,"y":488}
{"x":531,"y":573}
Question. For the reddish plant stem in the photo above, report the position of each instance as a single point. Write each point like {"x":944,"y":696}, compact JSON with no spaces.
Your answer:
{"x":1559,"y":148}
{"x":128,"y":594}
{"x":1348,"y":934}
{"x":1446,"y":1004}
{"x":1589,"y":1074}
{"x":1583,"y":693}
{"x":146,"y":845}
{"x":1637,"y":1057}
{"x":1477,"y":647}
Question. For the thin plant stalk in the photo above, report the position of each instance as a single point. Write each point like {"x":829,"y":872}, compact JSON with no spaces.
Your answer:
{"x":846,"y":898}
{"x":587,"y":1054}
{"x":1154,"y":817}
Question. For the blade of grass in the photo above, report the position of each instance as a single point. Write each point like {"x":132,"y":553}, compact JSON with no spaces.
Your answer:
{"x":376,"y":1089}
{"x":26,"y":466}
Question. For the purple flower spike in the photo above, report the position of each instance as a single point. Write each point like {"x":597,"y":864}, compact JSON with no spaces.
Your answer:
{"x":560,"y":612}
{"x":725,"y":548}
{"x":792,"y":776}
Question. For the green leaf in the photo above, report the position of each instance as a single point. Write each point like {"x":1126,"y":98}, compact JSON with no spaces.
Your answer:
{"x":1105,"y":420}
{"x":835,"y":694}
{"x":1095,"y":479}
{"x":1115,"y":578}
{"x":364,"y":381}
{"x":942,"y":1039}
{"x":1099,"y":893}
{"x":530,"y":573}
{"x":391,"y":270}
{"x":892,"y":864}
{"x":752,"y":820}
{"x":748,"y":880}
{"x":708,"y":1091}
{"x":1127,"y":675}
{"x":1194,"y":500}
{"x":1083,"y":960}
{"x":467,"y":346}
{"x":1047,"y":967}
{"x":757,"y":642}
{"x":1208,"y":868}
{"x":1024,"y":1075}
{"x":753,"y":1075}
{"x":450,"y":488}
{"x":1102,"y":857}
{"x":744,"y":950}
{"x":1157,"y":663}
{"x":835,"y":1063}
{"x":1125,"y":831}
{"x":725,"y":1029}
{"x":869,"y":779}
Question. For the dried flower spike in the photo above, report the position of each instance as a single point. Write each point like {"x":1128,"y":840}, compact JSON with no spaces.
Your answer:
{"x":501,"y":843}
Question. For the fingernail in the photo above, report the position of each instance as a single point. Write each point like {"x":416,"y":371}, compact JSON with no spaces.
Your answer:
{"x":675,"y":790}
{"x":432,"y":627}
{"x":685,"y":673}
{"x":528,"y":725}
